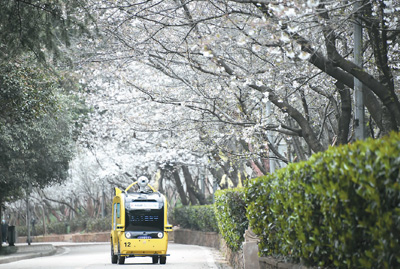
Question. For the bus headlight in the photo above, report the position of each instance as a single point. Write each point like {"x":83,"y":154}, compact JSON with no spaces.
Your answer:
{"x":128,"y":235}
{"x":160,"y":235}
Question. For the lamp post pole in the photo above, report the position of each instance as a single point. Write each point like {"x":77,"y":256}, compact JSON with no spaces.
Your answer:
{"x":270,"y":138}
{"x":359,"y":120}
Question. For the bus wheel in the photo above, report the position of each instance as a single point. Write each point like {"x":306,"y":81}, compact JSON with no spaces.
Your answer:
{"x":163,"y":259}
{"x":121,"y":259}
{"x":155,"y":259}
{"x":114,"y":258}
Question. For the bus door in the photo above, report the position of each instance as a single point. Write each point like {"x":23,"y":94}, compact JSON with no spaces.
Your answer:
{"x":116,"y":219}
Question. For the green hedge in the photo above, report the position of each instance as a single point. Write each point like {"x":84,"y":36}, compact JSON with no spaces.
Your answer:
{"x":99,"y":225}
{"x":88,"y":225}
{"x":227,"y":216}
{"x":230,"y":211}
{"x":200,"y":218}
{"x":340,"y":208}
{"x":52,"y":228}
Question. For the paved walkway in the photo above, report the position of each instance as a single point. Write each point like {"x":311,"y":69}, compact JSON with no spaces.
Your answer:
{"x":25,"y":251}
{"x":28,"y":252}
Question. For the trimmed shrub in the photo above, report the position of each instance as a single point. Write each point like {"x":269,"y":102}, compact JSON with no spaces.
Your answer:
{"x":230,"y":212}
{"x":21,"y":230}
{"x":340,"y":208}
{"x":99,"y":225}
{"x":38,"y":229}
{"x":200,"y":218}
{"x":57,"y":228}
{"x":52,"y":228}
{"x":80,"y":224}
{"x":76,"y":225}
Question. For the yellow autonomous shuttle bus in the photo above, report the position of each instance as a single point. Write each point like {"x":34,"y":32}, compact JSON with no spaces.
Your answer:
{"x":139,"y":223}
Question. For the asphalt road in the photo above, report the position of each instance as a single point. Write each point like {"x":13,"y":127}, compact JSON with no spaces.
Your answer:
{"x":98,"y":256}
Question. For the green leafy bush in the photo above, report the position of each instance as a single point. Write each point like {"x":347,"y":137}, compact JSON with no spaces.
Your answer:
{"x":200,"y":218}
{"x":52,"y":228}
{"x":57,"y":228}
{"x":99,"y":225}
{"x":21,"y":230}
{"x":340,"y":208}
{"x":230,"y":211}
{"x":80,"y":224}
{"x":76,"y":225}
{"x":39,"y":229}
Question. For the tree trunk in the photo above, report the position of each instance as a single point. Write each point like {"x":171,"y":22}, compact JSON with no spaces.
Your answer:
{"x":306,"y":131}
{"x":193,"y":190}
{"x":55,"y":214}
{"x":44,"y":221}
{"x":345,"y":114}
{"x":346,"y":73}
{"x":179,"y":186}
{"x":60,"y":202}
{"x":1,"y":218}
{"x":160,"y":184}
{"x":217,"y":174}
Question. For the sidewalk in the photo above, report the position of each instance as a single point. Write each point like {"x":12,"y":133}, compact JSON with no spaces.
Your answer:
{"x":35,"y":250}
{"x":24,"y":251}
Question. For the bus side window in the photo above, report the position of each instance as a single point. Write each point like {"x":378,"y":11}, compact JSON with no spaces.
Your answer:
{"x":115,"y":217}
{"x":118,"y":210}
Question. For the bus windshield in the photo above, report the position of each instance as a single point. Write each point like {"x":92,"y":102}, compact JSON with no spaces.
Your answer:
{"x":145,"y":220}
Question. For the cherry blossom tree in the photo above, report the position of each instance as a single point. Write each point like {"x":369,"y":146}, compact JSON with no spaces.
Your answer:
{"x":179,"y":85}
{"x":198,"y":76}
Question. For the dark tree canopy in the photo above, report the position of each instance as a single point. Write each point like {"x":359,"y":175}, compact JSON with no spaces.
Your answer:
{"x":35,"y":129}
{"x":38,"y":26}
{"x":38,"y":112}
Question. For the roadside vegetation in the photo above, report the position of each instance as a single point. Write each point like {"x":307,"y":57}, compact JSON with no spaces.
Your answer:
{"x":200,"y":97}
{"x":334,"y":210}
{"x":78,"y":225}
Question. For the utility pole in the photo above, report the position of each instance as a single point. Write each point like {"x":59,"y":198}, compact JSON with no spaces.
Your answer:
{"x":28,"y":221}
{"x":103,"y":206}
{"x":271,"y":154}
{"x":359,"y":121}
{"x":202,"y":180}
{"x":215,"y":187}
{"x":28,"y":213}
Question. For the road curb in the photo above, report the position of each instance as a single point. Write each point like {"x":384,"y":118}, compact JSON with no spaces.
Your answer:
{"x":29,"y":252}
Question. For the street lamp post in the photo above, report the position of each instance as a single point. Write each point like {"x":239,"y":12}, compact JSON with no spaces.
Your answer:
{"x":359,"y":121}
{"x":270,"y":138}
